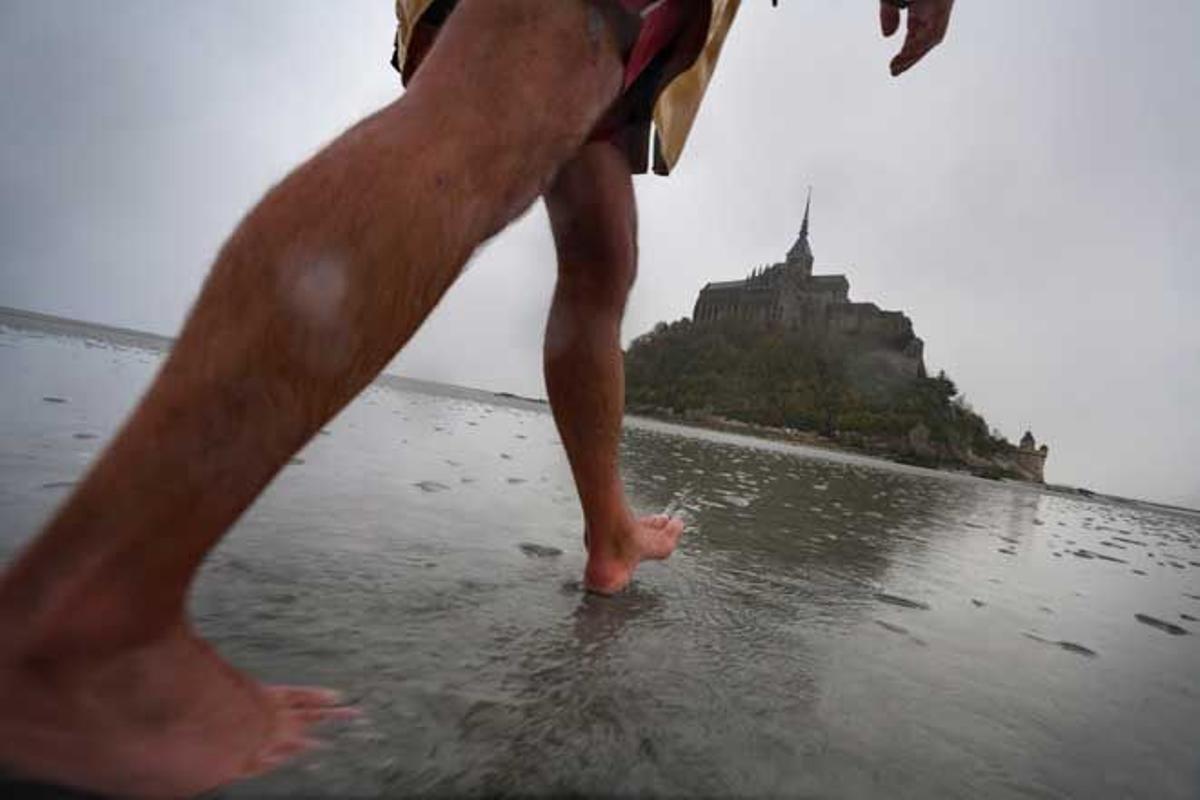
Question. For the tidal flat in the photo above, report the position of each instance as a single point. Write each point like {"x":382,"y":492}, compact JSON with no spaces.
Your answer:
{"x":831,"y":626}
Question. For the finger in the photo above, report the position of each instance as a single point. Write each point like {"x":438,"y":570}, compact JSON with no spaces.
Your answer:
{"x":303,"y":696}
{"x":927,"y":24}
{"x":889,"y":18}
{"x":917,"y":42}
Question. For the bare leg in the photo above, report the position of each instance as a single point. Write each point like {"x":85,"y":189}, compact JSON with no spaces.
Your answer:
{"x":594,"y":217}
{"x":105,"y":684}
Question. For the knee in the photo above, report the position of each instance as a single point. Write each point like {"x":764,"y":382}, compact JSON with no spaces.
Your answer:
{"x":598,"y":270}
{"x":596,"y":246}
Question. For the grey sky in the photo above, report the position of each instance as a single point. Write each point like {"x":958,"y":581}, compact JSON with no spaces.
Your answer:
{"x":1028,"y":194}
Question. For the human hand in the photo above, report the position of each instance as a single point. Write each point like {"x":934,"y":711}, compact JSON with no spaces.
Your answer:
{"x":927,"y":22}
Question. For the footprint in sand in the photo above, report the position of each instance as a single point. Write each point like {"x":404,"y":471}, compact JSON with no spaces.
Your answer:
{"x":539,"y":550}
{"x":1162,"y":625}
{"x":902,"y":602}
{"x":431,"y":486}
{"x":1070,"y":647}
{"x":52,"y":399}
{"x":900,"y":629}
{"x":58,"y":484}
{"x":85,"y":436}
{"x":516,"y":481}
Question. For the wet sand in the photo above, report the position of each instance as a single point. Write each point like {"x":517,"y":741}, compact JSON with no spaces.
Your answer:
{"x":831,"y":626}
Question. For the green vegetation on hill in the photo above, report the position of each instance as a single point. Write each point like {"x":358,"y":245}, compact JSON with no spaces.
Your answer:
{"x":785,"y":379}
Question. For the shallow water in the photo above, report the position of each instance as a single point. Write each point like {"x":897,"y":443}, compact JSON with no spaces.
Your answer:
{"x":830,"y":626}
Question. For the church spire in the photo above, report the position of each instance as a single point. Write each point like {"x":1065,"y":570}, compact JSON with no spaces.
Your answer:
{"x":801,"y":251}
{"x":807,"y":208}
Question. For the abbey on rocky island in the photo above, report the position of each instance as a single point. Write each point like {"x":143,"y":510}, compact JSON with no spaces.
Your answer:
{"x":789,"y":295}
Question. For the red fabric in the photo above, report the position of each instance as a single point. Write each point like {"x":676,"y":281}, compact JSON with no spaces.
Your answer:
{"x":662,"y":22}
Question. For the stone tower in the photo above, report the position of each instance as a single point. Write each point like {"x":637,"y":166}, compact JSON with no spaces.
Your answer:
{"x":1031,"y":459}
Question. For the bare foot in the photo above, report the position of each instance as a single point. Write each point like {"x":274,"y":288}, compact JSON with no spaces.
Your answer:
{"x":169,"y":719}
{"x":612,"y":559}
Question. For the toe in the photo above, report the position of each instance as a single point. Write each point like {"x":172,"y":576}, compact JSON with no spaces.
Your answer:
{"x":667,"y":539}
{"x":315,"y":716}
{"x":303,"y":696}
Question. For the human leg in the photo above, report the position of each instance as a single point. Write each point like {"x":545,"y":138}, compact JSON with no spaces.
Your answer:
{"x":106,"y":685}
{"x":594,"y":219}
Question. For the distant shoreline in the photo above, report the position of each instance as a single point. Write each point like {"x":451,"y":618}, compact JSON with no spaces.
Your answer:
{"x":38,"y":322}
{"x":810,"y":440}
{"x":48,"y":323}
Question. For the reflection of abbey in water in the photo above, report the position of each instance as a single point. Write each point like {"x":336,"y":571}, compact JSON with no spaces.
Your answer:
{"x":788,"y":295}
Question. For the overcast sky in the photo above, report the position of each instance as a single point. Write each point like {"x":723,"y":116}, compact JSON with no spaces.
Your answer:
{"x":1028,"y":195}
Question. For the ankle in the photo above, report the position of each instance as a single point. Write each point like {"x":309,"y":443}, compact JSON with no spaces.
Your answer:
{"x":613,"y":539}
{"x":605,"y":574}
{"x":92,"y":627}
